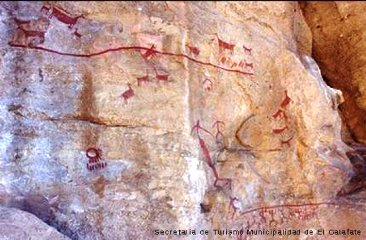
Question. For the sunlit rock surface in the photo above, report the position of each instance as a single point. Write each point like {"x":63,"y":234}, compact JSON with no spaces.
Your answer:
{"x":118,"y":119}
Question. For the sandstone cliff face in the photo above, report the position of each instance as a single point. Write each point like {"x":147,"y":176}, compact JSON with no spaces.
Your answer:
{"x":179,"y":115}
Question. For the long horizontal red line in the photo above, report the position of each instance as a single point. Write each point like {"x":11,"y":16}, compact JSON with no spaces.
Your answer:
{"x":128,"y":48}
{"x":295,"y":205}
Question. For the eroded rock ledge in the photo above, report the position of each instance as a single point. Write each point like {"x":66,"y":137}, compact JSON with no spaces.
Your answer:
{"x":19,"y":225}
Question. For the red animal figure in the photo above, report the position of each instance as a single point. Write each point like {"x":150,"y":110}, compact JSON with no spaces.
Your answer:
{"x":224,"y":45}
{"x":280,"y":114}
{"x":234,"y":65}
{"x":286,"y":142}
{"x":286,"y":101}
{"x":95,"y":159}
{"x":33,"y":35}
{"x":249,"y":65}
{"x":61,"y":15}
{"x":218,"y":131}
{"x":143,"y":79}
{"x":128,"y":93}
{"x":21,"y":22}
{"x":207,"y":156}
{"x":193,"y":50}
{"x":247,"y":50}
{"x":161,"y":77}
{"x":279,"y":130}
{"x":207,"y":84}
{"x":150,"y":52}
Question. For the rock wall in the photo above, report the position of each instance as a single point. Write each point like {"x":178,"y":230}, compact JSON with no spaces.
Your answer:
{"x":338,"y":41}
{"x":119,"y":119}
{"x":18,"y":225}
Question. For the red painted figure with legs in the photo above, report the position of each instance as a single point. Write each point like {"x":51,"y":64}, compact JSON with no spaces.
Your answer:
{"x":281,"y":114}
{"x":210,"y":162}
{"x":61,"y":15}
{"x":285,"y":101}
{"x":128,"y":93}
{"x":219,"y":134}
{"x":249,"y":65}
{"x":247,"y":50}
{"x":143,"y":79}
{"x":161,"y":77}
{"x":224,"y":45}
{"x":32,"y":37}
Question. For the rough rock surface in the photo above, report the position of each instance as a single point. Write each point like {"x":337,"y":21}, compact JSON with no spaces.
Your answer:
{"x":338,"y":43}
{"x":207,"y":115}
{"x":19,"y":225}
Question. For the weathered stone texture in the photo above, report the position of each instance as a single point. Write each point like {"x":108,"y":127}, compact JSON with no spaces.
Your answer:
{"x":142,"y":81}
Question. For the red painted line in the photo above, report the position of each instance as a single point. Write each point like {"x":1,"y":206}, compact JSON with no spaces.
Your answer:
{"x":129,"y":48}
{"x":296,"y":205}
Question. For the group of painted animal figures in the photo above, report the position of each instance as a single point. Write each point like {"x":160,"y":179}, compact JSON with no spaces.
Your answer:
{"x":32,"y":32}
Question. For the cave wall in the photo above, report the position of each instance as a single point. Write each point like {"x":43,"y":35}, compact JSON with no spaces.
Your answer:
{"x":120,"y":118}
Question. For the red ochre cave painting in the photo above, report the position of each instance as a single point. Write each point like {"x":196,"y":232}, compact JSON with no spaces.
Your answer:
{"x":143,"y":79}
{"x":280,"y":115}
{"x":149,"y":52}
{"x":226,"y":51}
{"x":95,"y":161}
{"x":34,"y":31}
{"x":207,"y":84}
{"x":271,"y":216}
{"x":129,"y":93}
{"x":134,"y":48}
{"x":62,"y":16}
{"x":274,"y":216}
{"x":193,"y":50}
{"x":159,"y":77}
{"x":219,"y":181}
{"x":28,"y":34}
